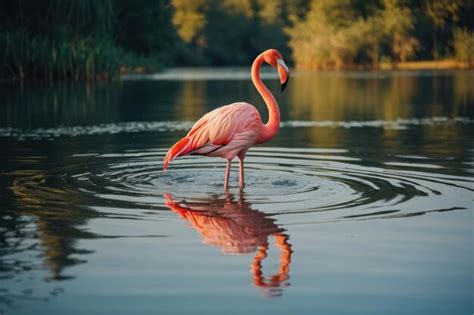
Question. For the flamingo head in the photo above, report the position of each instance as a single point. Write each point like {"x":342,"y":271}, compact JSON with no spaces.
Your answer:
{"x":274,"y":58}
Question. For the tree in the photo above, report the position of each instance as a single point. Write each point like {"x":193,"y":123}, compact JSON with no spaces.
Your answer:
{"x":372,"y":30}
{"x":189,"y":19}
{"x":222,"y":32}
{"x":441,"y":13}
{"x":464,"y":46}
{"x":144,"y":27}
{"x":398,"y":25}
{"x":327,"y":36}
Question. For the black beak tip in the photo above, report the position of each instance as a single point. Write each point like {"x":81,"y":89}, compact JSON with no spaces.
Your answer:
{"x":284,"y":84}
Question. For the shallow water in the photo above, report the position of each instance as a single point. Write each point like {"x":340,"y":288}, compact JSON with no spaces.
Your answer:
{"x":362,"y":204}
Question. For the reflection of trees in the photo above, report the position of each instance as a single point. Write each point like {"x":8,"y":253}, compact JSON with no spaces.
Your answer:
{"x":59,"y":104}
{"x":40,"y":226}
{"x":56,"y":221}
{"x":192,"y":101}
{"x":377,"y":96}
{"x":343,"y":97}
{"x":353,"y":96}
{"x":463,"y":93}
{"x":236,"y":228}
{"x":396,"y":98}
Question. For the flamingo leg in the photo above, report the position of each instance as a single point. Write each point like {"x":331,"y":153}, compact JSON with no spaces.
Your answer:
{"x":227,"y":173}
{"x":241,"y":173}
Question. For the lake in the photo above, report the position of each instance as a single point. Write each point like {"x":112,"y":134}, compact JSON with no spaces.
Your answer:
{"x":362,"y":204}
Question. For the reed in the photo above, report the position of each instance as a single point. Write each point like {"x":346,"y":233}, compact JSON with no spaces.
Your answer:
{"x":26,"y":56}
{"x":62,"y":40}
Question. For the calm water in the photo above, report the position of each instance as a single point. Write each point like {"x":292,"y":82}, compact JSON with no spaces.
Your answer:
{"x":363,"y":203}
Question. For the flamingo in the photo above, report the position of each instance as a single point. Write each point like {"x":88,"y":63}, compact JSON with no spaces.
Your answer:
{"x":233,"y":226}
{"x":231,"y":130}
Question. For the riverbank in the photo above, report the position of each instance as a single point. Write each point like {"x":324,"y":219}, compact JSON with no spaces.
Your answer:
{"x":242,"y":72}
{"x":426,"y":65}
{"x":158,"y":72}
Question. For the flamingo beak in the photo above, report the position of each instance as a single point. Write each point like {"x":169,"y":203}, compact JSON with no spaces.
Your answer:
{"x":283,"y":72}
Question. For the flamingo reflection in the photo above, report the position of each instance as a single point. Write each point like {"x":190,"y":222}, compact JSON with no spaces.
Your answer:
{"x":234,"y":227}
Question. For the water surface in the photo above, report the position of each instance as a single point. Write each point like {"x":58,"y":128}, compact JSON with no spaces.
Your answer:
{"x":361,"y":205}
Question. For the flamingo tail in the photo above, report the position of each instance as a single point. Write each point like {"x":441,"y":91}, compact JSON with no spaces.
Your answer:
{"x":180,"y":148}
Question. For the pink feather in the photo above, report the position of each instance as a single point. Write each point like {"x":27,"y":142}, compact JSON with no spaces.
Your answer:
{"x":230,"y":130}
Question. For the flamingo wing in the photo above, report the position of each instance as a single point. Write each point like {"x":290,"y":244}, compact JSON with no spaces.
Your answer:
{"x":223,"y":132}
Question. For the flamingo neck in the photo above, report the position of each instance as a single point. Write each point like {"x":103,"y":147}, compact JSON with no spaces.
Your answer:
{"x":271,"y":127}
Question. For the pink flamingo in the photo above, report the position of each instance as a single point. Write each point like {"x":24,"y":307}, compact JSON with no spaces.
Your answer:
{"x":230,"y":130}
{"x":234,"y":227}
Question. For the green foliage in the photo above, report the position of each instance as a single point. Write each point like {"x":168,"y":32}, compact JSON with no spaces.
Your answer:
{"x":79,"y":39}
{"x":442,"y":14}
{"x":189,"y":19}
{"x":464,"y":46}
{"x":24,"y":56}
{"x":398,"y":25}
{"x":328,"y":37}
{"x":57,"y":39}
{"x":344,"y":33}
{"x":223,"y":32}
{"x":372,"y":37}
{"x":144,"y":27}
{"x":90,"y":39}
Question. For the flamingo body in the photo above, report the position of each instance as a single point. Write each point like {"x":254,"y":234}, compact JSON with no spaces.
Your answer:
{"x":230,"y":130}
{"x":224,"y":132}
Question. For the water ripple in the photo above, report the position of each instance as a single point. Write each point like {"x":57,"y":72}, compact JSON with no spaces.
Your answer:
{"x":166,"y":126}
{"x":330,"y":184}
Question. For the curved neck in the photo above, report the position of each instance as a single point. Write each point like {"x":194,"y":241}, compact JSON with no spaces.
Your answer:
{"x":273,"y":124}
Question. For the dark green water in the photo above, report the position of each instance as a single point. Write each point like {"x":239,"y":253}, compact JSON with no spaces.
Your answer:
{"x":362,"y":204}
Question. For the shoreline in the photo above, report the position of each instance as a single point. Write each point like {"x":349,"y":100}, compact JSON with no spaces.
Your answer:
{"x":240,"y":72}
{"x":445,"y":64}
